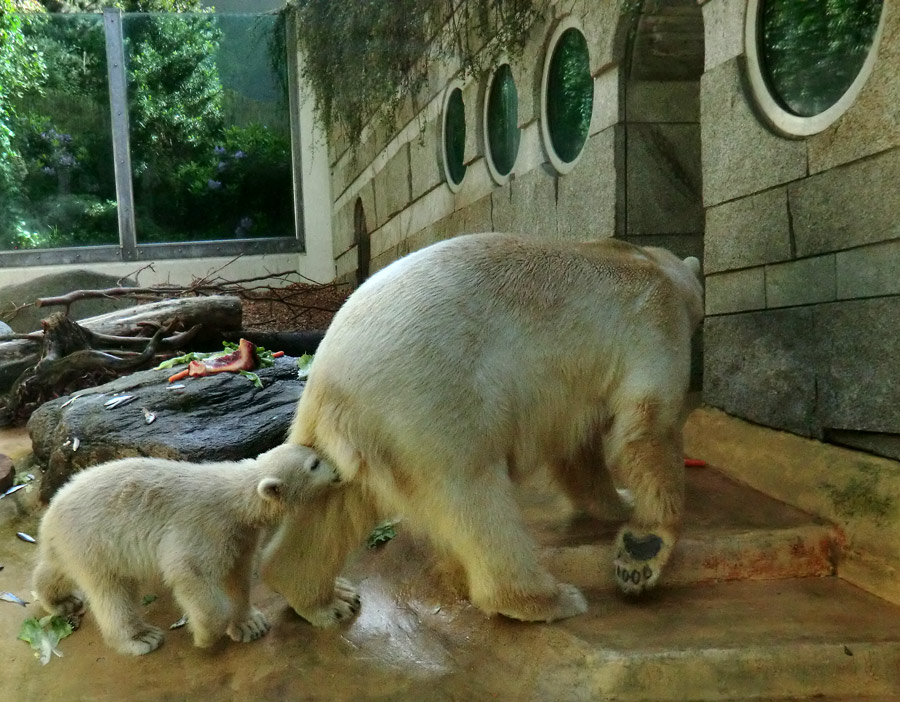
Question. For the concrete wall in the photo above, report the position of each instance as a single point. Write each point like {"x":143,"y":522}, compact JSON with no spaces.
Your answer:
{"x":802,"y":253}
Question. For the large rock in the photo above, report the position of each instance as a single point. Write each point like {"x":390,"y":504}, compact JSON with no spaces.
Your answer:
{"x":221,"y":417}
{"x":29,"y":319}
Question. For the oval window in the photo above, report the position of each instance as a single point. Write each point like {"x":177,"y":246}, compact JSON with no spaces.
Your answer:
{"x":502,"y":123}
{"x":808,"y":60}
{"x":454,"y":143}
{"x":568,"y":97}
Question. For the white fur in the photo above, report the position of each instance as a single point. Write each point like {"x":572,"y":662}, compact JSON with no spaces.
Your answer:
{"x":126,"y":522}
{"x":474,"y":361}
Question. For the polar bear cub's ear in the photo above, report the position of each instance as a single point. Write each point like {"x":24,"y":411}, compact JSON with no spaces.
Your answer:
{"x":271,"y":489}
{"x":693,"y":263}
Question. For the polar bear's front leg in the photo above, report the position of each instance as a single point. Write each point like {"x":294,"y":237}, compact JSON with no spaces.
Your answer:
{"x":308,"y":551}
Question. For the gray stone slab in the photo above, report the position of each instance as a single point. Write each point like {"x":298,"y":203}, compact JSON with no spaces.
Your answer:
{"x":761,"y":366}
{"x":736,"y":291}
{"x":28,"y":319}
{"x":748,"y":232}
{"x":740,"y":156}
{"x":477,"y":216}
{"x":425,"y":160}
{"x":869,"y":271}
{"x":723,"y":24}
{"x":503,"y":214}
{"x":871,"y":124}
{"x":392,"y":186}
{"x":857,"y":387}
{"x":802,"y":282}
{"x":849,"y":206}
{"x":589,"y":196}
{"x":662,"y":101}
{"x":664,"y":182}
{"x":531,"y":207}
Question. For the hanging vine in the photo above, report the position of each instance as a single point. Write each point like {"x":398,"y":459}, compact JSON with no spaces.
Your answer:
{"x":364,"y":57}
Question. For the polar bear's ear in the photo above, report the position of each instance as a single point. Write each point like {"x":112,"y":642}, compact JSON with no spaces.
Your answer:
{"x":271,"y":489}
{"x":693,"y":263}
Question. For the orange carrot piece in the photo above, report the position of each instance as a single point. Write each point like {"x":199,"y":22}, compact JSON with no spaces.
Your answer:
{"x":278,"y":354}
{"x":694,"y":463}
{"x":180,"y":375}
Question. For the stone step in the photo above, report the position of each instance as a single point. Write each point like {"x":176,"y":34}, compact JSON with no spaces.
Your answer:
{"x":731,"y":532}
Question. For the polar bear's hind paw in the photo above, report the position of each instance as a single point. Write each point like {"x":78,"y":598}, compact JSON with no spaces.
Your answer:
{"x":640,"y":557}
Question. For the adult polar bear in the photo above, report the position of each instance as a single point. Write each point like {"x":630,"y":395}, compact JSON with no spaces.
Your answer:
{"x":479,"y":359}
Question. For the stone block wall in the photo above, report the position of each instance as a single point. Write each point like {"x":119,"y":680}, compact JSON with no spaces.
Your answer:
{"x":399,"y":178}
{"x":802,"y":252}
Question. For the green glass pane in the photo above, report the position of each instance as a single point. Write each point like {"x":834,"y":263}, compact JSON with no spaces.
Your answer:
{"x":812,"y":51}
{"x":570,"y":95}
{"x":455,"y":136}
{"x":57,"y":184}
{"x":503,"y":120}
{"x":210,"y":127}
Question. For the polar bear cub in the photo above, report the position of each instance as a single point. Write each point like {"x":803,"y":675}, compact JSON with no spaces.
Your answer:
{"x":116,"y":525}
{"x":465,"y":365}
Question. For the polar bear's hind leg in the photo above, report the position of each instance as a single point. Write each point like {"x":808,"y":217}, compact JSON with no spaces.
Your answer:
{"x":652,"y":466}
{"x":55,"y":590}
{"x":114,"y":603}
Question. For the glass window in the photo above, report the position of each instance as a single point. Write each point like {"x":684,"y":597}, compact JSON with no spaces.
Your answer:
{"x":57,"y":180}
{"x":455,"y":137}
{"x":209,"y":128}
{"x":813,"y":51}
{"x":502,"y":109}
{"x":569,"y":95}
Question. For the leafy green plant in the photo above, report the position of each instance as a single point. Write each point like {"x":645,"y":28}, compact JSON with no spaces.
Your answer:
{"x":44,"y":635}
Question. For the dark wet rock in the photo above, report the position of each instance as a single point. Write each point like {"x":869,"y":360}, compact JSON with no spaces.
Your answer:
{"x":29,"y":319}
{"x":220,"y":417}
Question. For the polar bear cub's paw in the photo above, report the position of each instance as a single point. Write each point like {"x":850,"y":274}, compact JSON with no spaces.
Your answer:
{"x":640,"y":557}
{"x":253,"y":627}
{"x":144,"y":640}
{"x":345,"y":604}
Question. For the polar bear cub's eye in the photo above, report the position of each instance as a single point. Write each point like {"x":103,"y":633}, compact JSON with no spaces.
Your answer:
{"x":313,"y":463}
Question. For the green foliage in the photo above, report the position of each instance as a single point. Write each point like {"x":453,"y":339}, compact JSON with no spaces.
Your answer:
{"x":21,"y":71}
{"x":813,"y":51}
{"x":362,"y":56}
{"x":175,"y":95}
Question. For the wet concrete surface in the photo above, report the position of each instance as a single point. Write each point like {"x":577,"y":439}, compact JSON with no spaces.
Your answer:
{"x":417,"y":638}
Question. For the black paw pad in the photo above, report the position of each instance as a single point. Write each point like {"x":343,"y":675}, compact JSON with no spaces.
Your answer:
{"x":642,"y":549}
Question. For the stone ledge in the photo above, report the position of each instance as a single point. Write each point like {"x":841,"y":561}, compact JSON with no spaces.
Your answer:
{"x":857,"y":491}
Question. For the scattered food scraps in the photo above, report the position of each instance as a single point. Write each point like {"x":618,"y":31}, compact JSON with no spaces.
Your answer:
{"x":26,"y":537}
{"x":382,"y":534}
{"x":44,"y":635}
{"x":148,"y":599}
{"x":303,"y":364}
{"x":10,"y":597}
{"x":149,"y":417}
{"x":13,"y":489}
{"x":118,"y":401}
{"x":180,"y":623}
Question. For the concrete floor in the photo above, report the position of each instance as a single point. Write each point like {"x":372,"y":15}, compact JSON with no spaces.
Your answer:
{"x":416,"y":639}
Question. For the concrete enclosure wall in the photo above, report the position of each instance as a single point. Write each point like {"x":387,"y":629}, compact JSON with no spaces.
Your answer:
{"x":802,"y":252}
{"x":799,"y":237}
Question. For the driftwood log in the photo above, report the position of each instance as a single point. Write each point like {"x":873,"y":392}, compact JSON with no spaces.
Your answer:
{"x":64,"y":347}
